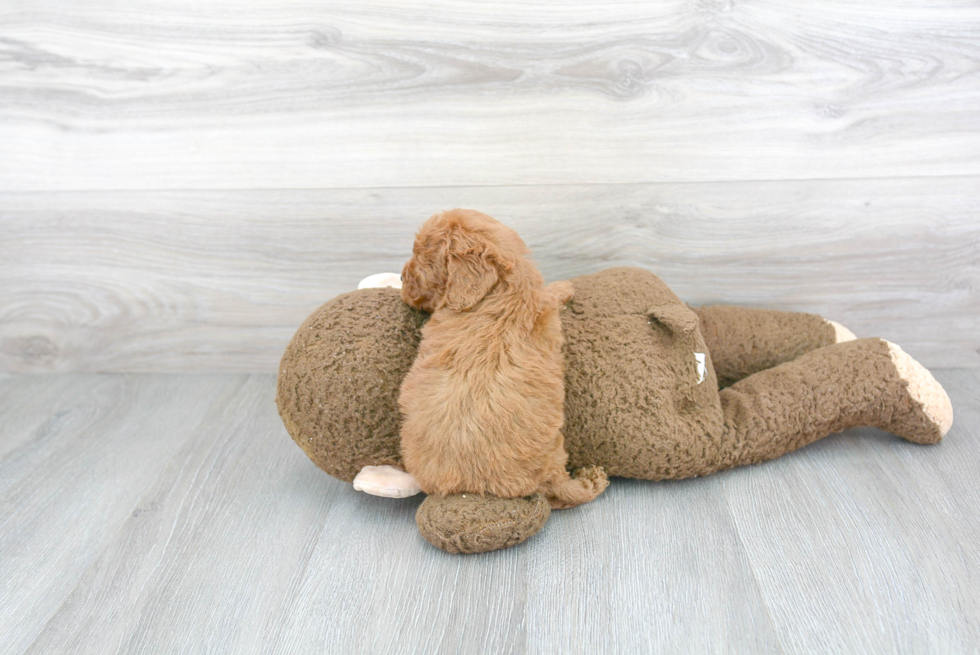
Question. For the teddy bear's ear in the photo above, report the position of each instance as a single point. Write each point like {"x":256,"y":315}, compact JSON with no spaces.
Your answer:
{"x":678,"y":318}
{"x":471,"y":270}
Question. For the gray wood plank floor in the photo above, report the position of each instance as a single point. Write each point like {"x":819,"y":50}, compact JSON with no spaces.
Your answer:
{"x":171,"y":513}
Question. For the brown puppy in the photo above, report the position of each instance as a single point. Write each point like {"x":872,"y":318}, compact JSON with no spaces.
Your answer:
{"x":483,"y":404}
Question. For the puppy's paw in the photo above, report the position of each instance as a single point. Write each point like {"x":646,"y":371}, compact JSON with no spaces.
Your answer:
{"x":581,"y":487}
{"x":561,"y":291}
{"x":592,"y":478}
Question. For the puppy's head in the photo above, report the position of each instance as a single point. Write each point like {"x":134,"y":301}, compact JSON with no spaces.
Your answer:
{"x":458,"y":258}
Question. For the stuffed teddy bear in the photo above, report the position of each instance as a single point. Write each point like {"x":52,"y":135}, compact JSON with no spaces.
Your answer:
{"x":654,"y":390}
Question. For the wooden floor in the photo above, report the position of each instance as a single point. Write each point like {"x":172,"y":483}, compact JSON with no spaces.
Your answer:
{"x":172,"y":513}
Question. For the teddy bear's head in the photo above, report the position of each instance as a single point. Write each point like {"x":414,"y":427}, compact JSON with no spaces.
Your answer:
{"x":339,"y":379}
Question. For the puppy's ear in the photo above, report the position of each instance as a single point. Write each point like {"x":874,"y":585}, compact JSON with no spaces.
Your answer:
{"x":411,"y":293}
{"x":471,"y":270}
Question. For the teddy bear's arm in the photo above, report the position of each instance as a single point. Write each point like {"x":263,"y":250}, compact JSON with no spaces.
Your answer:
{"x":471,"y":523}
{"x":743,"y":341}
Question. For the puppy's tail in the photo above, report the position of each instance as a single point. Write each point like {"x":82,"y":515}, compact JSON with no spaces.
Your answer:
{"x":564,"y":491}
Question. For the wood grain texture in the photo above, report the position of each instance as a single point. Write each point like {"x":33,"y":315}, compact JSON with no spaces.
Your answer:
{"x":898,"y":525}
{"x":220,"y":280}
{"x":182,"y":183}
{"x":664,"y":562}
{"x":305,"y":94}
{"x":233,"y":542}
{"x":214,"y":540}
{"x":20,"y":402}
{"x":72,"y":476}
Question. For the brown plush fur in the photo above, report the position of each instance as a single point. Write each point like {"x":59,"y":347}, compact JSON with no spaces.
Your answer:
{"x":633,"y":404}
{"x":744,"y":341}
{"x":470,"y":523}
{"x":338,"y":383}
{"x":483,"y":404}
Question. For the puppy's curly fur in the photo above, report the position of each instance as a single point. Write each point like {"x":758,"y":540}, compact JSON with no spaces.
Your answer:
{"x":483,"y":405}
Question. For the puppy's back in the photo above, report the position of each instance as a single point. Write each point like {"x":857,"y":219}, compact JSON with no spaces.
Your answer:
{"x":483,"y":414}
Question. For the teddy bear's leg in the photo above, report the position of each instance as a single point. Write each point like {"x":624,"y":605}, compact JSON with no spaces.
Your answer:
{"x":865,"y":382}
{"x":744,"y":341}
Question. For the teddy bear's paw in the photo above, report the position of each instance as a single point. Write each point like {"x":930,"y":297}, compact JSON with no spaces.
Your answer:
{"x":386,"y":481}
{"x":841,"y":333}
{"x":927,"y":394}
{"x":471,"y":523}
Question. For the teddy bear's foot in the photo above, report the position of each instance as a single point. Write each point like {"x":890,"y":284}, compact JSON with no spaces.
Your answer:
{"x":471,"y":523}
{"x":927,"y":399}
{"x":386,"y":481}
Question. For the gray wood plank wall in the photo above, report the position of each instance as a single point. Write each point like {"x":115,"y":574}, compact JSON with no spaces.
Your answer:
{"x":181,"y":183}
